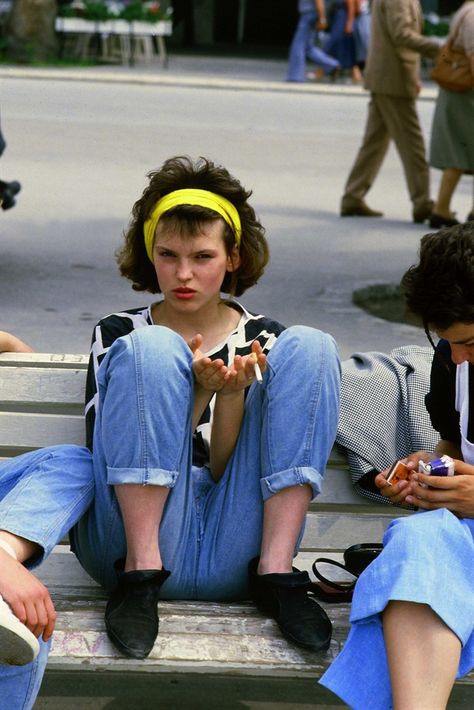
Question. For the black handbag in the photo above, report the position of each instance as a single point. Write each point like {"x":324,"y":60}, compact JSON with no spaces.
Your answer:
{"x":356,"y":559}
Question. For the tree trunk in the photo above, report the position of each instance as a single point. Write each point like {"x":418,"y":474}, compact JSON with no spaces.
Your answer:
{"x":30,"y":30}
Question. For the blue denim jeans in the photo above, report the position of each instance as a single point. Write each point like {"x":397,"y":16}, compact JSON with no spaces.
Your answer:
{"x":303,"y":47}
{"x":340,"y":45}
{"x":209,"y":530}
{"x":42,"y":495}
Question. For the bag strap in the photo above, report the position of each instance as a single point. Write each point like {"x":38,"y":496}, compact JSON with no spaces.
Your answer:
{"x":343,"y":587}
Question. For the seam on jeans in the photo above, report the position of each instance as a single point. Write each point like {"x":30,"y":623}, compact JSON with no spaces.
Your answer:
{"x":316,"y":396}
{"x":83,"y":494}
{"x":114,"y":515}
{"x":143,"y":442}
{"x":310,"y":417}
{"x":25,"y":481}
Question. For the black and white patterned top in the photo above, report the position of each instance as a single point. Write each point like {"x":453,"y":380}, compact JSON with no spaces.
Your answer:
{"x":250,"y":327}
{"x":383,"y":415}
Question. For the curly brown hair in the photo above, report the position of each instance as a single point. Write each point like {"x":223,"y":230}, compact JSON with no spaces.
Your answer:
{"x":440,"y":288}
{"x":182,"y":172}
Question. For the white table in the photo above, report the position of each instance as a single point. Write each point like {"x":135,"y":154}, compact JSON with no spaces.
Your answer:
{"x":134,"y":38}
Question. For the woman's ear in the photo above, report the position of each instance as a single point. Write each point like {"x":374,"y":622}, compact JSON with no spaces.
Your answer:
{"x":233,"y":259}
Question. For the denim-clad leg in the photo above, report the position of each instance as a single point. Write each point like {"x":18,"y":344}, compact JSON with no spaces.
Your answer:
{"x":20,"y":685}
{"x":303,"y":46}
{"x":287,"y":434}
{"x":209,"y":531}
{"x":339,"y":44}
{"x":42,"y":494}
{"x":428,"y":558}
{"x":142,"y":435}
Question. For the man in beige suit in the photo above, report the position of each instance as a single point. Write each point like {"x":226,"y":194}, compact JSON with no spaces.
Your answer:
{"x":392,"y":77}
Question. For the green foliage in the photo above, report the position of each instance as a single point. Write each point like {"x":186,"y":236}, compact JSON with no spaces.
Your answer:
{"x":133,"y":11}
{"x":437,"y":28}
{"x":136,"y":11}
{"x":97,"y":11}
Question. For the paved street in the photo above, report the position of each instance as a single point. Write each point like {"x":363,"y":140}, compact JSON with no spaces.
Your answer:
{"x":82,"y":148}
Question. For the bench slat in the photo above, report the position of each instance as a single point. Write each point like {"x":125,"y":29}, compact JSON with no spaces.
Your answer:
{"x":41,"y":386}
{"x":43,"y":360}
{"x":41,"y":403}
{"x":30,"y":431}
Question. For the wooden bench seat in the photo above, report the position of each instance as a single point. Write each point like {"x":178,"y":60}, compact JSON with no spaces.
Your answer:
{"x":41,"y":403}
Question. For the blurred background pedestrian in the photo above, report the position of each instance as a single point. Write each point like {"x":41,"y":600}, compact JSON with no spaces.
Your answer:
{"x":8,"y":190}
{"x":341,"y":43}
{"x":362,"y":32}
{"x":312,"y":19}
{"x":452,"y":133}
{"x":392,"y":76}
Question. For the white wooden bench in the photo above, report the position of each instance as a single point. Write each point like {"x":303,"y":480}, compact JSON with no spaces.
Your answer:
{"x":41,"y":403}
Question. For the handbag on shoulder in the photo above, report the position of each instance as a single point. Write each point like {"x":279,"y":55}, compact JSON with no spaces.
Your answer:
{"x":452,"y":70}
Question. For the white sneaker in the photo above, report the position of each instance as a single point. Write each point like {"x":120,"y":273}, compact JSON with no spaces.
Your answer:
{"x":18,"y":645}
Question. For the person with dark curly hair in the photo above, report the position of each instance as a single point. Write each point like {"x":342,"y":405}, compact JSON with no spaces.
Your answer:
{"x":412,"y":613}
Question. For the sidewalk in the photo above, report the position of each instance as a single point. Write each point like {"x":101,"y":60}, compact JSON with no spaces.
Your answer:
{"x":198,"y":71}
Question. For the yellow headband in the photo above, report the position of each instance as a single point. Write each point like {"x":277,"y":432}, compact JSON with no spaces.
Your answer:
{"x":203,"y":198}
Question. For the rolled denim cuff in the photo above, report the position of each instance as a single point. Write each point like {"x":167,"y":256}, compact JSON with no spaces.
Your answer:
{"x":297,"y":476}
{"x":41,"y":555}
{"x":142,"y":476}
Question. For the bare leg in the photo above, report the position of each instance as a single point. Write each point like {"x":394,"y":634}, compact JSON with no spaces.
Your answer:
{"x":283,"y":517}
{"x":24,"y":549}
{"x":449,"y":180}
{"x":423,"y":656}
{"x":356,"y":74}
{"x":277,"y":590}
{"x":142,"y":509}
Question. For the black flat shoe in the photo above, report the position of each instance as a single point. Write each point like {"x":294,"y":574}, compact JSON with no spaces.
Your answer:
{"x":421,"y":214}
{"x":358,"y":209}
{"x":8,"y":190}
{"x":284,"y":597}
{"x":131,"y":615}
{"x":437,"y":221}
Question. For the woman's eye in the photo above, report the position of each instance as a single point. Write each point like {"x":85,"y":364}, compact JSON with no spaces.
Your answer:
{"x":204,"y":256}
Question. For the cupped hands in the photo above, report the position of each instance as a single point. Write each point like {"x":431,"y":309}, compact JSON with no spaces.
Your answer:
{"x":216,"y":376}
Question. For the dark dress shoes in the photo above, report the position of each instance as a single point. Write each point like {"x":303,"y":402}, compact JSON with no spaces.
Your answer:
{"x":437,"y":221}
{"x":8,"y":190}
{"x":421,"y":214}
{"x":353,"y":208}
{"x":284,"y":597}
{"x":131,"y":615}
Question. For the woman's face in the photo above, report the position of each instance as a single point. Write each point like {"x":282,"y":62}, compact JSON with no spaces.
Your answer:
{"x":461,"y":339}
{"x":190,"y":269}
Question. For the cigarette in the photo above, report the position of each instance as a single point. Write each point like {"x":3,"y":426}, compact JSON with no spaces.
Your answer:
{"x":258,"y":372}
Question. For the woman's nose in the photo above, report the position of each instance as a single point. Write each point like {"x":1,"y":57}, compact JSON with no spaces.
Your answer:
{"x":184,"y":271}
